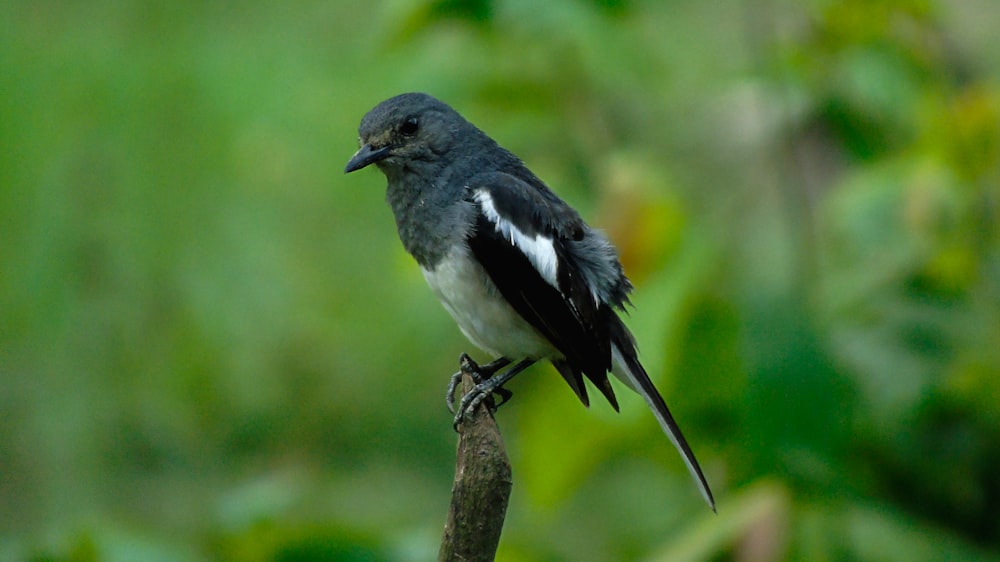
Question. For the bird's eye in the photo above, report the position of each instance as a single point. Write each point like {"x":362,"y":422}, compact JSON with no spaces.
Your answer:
{"x":409,"y":127}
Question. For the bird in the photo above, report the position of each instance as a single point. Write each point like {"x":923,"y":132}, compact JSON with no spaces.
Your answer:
{"x":517,"y":268}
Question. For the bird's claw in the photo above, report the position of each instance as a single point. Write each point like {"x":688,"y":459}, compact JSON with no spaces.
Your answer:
{"x":483,"y":391}
{"x":466,"y":367}
{"x":485,"y":388}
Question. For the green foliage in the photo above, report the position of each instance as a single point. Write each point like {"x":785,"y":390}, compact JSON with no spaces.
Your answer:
{"x":212,"y":346}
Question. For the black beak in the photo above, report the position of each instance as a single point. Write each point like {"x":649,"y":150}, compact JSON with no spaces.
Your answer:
{"x":364,"y":156}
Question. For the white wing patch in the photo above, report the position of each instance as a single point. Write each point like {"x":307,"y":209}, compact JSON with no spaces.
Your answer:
{"x":539,"y":250}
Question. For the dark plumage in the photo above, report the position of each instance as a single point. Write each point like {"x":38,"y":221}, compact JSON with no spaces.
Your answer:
{"x":522,"y":274}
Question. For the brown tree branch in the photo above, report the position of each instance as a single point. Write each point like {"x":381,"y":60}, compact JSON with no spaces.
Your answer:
{"x":482,"y":486}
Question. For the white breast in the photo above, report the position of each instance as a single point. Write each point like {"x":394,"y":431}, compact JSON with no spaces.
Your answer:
{"x":482,"y":314}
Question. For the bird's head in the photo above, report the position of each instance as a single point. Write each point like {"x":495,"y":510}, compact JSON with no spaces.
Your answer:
{"x":405,"y":129}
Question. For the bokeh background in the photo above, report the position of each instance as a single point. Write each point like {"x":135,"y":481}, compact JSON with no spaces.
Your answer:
{"x":212,"y":346}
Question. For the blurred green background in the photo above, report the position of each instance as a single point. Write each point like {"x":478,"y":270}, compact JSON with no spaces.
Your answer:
{"x":213,"y":347}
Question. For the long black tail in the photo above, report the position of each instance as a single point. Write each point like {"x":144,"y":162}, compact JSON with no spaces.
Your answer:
{"x":627,"y":368}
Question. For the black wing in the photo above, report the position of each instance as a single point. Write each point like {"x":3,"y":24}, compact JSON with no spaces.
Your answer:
{"x":564,"y":279}
{"x":524,"y":242}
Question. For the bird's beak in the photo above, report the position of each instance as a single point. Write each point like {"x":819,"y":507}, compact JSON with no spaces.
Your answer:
{"x":366,"y":155}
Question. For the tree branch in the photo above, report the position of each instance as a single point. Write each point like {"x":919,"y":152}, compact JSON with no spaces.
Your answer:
{"x":482,"y":485}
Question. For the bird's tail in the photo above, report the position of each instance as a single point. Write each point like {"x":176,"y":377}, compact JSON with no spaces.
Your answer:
{"x":627,"y":368}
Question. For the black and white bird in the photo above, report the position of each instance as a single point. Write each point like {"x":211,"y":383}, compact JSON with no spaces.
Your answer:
{"x":521,"y":273}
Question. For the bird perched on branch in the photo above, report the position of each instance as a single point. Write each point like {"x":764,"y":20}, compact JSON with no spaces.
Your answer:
{"x":521,"y":273}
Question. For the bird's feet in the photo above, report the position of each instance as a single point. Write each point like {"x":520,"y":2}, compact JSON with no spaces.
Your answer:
{"x":485,"y":387}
